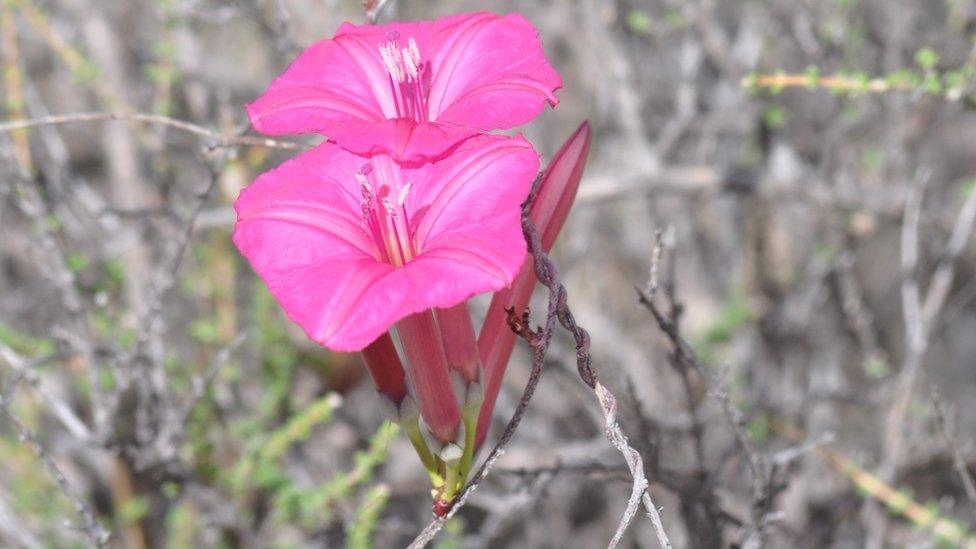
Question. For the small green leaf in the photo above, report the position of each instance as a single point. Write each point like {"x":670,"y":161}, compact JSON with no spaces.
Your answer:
{"x":876,"y":367}
{"x":967,"y":187}
{"x":813,"y":76}
{"x":926,"y":58}
{"x":775,"y":116}
{"x":638,"y":21}
{"x":134,"y":510}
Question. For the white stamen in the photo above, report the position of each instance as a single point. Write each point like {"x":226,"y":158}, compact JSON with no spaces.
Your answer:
{"x":409,"y":64}
{"x":403,"y":194}
{"x":414,"y":52}
{"x":392,"y":61}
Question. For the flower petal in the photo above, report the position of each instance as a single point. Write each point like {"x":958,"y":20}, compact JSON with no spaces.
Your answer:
{"x":490,"y":72}
{"x":472,"y":198}
{"x":332,"y":84}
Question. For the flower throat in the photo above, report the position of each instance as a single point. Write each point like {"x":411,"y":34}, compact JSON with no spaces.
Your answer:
{"x":409,"y":77}
{"x":384,"y":214}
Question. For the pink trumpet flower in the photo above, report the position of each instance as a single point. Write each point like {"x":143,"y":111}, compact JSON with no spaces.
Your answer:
{"x":349,"y":245}
{"x":548,"y":211}
{"x":412,"y":89}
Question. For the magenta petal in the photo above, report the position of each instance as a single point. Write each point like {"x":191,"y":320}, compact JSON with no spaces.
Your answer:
{"x":299,"y":228}
{"x":475,"y":204}
{"x":490,"y":72}
{"x":332,"y":84}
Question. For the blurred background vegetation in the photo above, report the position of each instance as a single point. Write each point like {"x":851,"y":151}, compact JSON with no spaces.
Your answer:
{"x":805,"y":168}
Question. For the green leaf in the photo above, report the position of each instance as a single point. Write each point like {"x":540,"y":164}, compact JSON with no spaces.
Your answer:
{"x":638,"y":21}
{"x":134,"y":510}
{"x":775,"y":116}
{"x":926,"y":58}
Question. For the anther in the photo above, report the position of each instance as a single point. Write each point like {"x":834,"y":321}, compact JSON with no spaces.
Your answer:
{"x":403,"y":194}
{"x":414,"y":52}
{"x":392,"y":61}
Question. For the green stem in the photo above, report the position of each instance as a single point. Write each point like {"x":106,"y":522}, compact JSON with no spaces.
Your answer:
{"x":470,"y":418}
{"x":412,"y":428}
{"x":451,"y":480}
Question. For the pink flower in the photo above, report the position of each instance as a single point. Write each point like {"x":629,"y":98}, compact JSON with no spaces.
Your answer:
{"x":349,"y":245}
{"x":412,"y":89}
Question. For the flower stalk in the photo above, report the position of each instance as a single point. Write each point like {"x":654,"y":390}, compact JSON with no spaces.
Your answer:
{"x":411,"y":426}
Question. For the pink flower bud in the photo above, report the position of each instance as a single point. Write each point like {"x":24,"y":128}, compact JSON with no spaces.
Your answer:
{"x":548,"y":212}
{"x":457,"y":332}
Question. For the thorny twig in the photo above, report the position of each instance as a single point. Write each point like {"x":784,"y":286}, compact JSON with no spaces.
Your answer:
{"x":762,"y":475}
{"x":595,"y":469}
{"x":201,"y":384}
{"x":859,"y":317}
{"x":62,"y":410}
{"x":28,"y":200}
{"x":538,"y":340}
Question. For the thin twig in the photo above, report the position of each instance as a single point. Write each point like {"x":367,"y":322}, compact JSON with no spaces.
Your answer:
{"x":920,"y":317}
{"x":152,"y":383}
{"x":28,"y":200}
{"x":89,"y":525}
{"x":372,"y":9}
{"x":218,"y":139}
{"x":639,"y":493}
{"x":548,"y":275}
{"x":949,"y":436}
{"x":62,"y":410}
{"x":687,"y":361}
{"x":201,"y":384}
